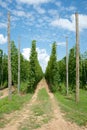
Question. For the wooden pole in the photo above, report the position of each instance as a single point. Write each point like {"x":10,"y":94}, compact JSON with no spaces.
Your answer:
{"x":19,"y":66}
{"x":9,"y":58}
{"x":1,"y":67}
{"x":67,"y":66}
{"x":77,"y":57}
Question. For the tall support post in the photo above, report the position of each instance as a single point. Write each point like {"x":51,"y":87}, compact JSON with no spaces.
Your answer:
{"x":67,"y":66}
{"x":2,"y":70}
{"x":1,"y":67}
{"x":9,"y":58}
{"x":19,"y":65}
{"x":77,"y":57}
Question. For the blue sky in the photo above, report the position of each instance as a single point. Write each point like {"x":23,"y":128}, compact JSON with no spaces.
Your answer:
{"x":45,"y":21}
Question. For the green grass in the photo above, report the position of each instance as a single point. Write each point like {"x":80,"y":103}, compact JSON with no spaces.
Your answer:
{"x":23,"y":87}
{"x":43,"y":95}
{"x":38,"y":110}
{"x":7,"y":106}
{"x":41,"y":112}
{"x":43,"y":105}
{"x":74,"y":112}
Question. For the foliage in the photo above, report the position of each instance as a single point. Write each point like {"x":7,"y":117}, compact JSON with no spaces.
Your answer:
{"x":3,"y":70}
{"x":14,"y":62}
{"x":72,"y":67}
{"x":23,"y":87}
{"x":24,"y":69}
{"x":62,"y":69}
{"x":72,"y":70}
{"x":28,"y":71}
{"x":31,"y":70}
{"x":1,"y":56}
{"x":62,"y":88}
{"x":83,"y":68}
{"x":5,"y":84}
{"x":52,"y":73}
{"x":35,"y":71}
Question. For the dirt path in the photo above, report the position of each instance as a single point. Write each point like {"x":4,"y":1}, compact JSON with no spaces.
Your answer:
{"x":56,"y":123}
{"x":4,"y":92}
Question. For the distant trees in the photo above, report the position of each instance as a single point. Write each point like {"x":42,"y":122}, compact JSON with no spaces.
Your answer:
{"x":14,"y":62}
{"x":83,"y":70}
{"x":62,"y":69}
{"x":3,"y":69}
{"x":35,"y":71}
{"x":24,"y":69}
{"x":30,"y":71}
{"x":52,"y":73}
{"x":72,"y":68}
{"x":56,"y":71}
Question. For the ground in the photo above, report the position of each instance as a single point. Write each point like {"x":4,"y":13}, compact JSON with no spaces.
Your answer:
{"x":27,"y":119}
{"x":4,"y":93}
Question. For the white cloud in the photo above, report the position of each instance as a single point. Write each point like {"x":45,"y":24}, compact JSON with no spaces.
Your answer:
{"x":3,"y":4}
{"x":3,"y":39}
{"x":39,"y":9}
{"x":58,"y":3}
{"x":26,"y":53}
{"x":63,"y":8}
{"x":64,"y":23}
{"x":34,"y":2}
{"x":3,"y":25}
{"x":14,"y":18}
{"x":61,"y":43}
{"x":53,"y":13}
{"x":70,"y":24}
{"x":21,"y":13}
{"x":83,"y":21}
{"x":46,"y":19}
{"x":71,"y":8}
{"x":17,"y":14}
{"x":19,"y":7}
{"x":43,"y":57}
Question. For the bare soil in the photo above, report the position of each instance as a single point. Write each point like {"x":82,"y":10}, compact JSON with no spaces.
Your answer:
{"x":4,"y":92}
{"x":56,"y":123}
